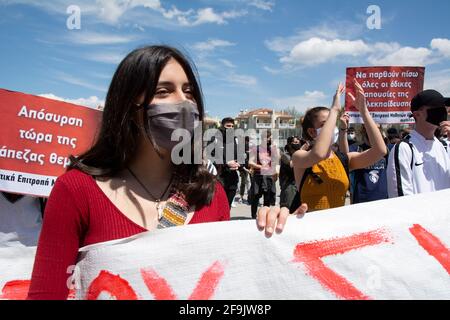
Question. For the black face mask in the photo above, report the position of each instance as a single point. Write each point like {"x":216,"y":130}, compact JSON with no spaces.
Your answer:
{"x":295,"y":146}
{"x":436,"y":116}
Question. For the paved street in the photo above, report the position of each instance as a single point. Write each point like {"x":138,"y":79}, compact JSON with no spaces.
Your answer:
{"x":243,"y":211}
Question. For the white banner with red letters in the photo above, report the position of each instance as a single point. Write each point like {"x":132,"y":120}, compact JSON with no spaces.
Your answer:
{"x":391,"y":249}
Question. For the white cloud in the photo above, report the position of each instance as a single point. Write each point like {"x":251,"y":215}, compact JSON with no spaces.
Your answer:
{"x":204,"y":65}
{"x":405,"y":56}
{"x":204,"y":51}
{"x":241,"y":80}
{"x":92,"y":38}
{"x":208,"y":15}
{"x":274,"y":71}
{"x":317,"y":51}
{"x":106,"y":57}
{"x":324,"y":31}
{"x":91,"y":102}
{"x":174,"y":13}
{"x":111,"y":11}
{"x":117,"y":11}
{"x":227,"y":63}
{"x":281,"y":45}
{"x":308,"y":100}
{"x":152,"y":4}
{"x":212,"y":44}
{"x":262,"y":4}
{"x":439,"y":81}
{"x":328,"y":31}
{"x":80,"y":82}
{"x":56,"y":6}
{"x":442,"y":46}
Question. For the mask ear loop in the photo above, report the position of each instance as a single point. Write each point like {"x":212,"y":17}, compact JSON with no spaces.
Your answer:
{"x":145,"y":121}
{"x":189,"y":114}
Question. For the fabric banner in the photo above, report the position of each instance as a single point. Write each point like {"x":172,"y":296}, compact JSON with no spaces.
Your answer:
{"x":390,"y":249}
{"x":37,"y":135}
{"x":389,"y":91}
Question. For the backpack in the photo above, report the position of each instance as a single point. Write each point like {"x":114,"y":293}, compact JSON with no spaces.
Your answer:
{"x":397,"y":161}
{"x":397,"y":151}
{"x":308,"y":172}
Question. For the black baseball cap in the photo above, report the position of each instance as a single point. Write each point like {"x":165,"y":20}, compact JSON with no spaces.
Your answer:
{"x":429,"y":98}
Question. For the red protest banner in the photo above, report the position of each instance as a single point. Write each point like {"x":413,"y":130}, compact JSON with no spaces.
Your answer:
{"x":37,"y":136}
{"x":389,"y":91}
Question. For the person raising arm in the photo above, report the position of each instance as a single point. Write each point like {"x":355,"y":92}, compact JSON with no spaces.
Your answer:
{"x":320,"y":172}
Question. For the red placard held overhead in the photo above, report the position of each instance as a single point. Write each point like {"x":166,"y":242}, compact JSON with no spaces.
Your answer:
{"x":389,"y":91}
{"x":37,"y":136}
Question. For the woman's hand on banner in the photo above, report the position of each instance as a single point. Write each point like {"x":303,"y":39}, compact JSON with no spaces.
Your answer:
{"x":274,"y":219}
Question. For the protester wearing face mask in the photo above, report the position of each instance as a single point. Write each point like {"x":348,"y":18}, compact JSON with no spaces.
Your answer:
{"x":393,"y":138}
{"x":351,"y":136}
{"x":322,"y":174}
{"x":128,"y":183}
{"x":420,"y":163}
{"x":370,"y":183}
{"x":263,"y":161}
{"x":287,"y":178}
{"x":228,"y":169}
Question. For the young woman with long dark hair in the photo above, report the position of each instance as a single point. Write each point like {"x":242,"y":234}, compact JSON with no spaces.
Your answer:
{"x":127,"y":183}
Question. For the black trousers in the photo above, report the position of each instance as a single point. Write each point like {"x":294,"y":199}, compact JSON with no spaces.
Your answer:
{"x":229,"y":180}
{"x":262,"y":186}
{"x":231,"y":193}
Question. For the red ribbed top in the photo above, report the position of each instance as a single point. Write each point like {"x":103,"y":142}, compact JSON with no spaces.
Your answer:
{"x":78,"y":214}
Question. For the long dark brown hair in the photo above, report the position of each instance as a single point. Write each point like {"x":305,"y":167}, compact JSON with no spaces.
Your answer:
{"x":118,"y":139}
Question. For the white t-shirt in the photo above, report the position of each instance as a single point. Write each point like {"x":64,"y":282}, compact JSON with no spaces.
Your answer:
{"x":20,"y":221}
{"x":430,"y":167}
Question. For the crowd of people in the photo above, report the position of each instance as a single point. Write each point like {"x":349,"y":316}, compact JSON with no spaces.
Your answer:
{"x":330,"y":165}
{"x":127,"y":183}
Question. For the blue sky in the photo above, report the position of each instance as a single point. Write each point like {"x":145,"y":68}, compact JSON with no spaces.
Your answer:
{"x":250,"y":53}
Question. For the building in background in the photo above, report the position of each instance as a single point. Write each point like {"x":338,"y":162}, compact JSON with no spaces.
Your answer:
{"x":211,"y":123}
{"x":267,"y":119}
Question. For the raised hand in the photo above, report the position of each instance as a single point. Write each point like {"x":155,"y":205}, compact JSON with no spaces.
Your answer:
{"x":360,"y":100}
{"x":233,"y":165}
{"x":445,"y":128}
{"x":337,"y":97}
{"x":344,"y":121}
